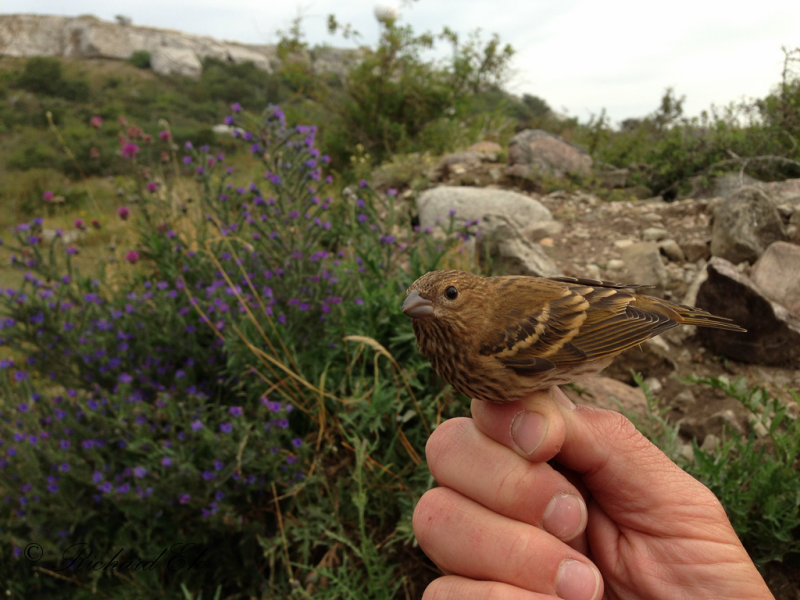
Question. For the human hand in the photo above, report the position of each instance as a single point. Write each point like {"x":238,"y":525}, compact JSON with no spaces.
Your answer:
{"x":612,"y":515}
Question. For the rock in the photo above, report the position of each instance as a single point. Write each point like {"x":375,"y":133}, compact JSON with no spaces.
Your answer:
{"x":654,"y":234}
{"x":696,"y":249}
{"x":541,"y":230}
{"x":643,"y":263}
{"x":773,"y":334}
{"x":176,"y":61}
{"x":615,"y":264}
{"x":684,"y":401}
{"x":672,"y":250}
{"x":604,"y":392}
{"x":744,"y":225}
{"x":489,"y":151}
{"x":777,"y":273}
{"x":171,"y":52}
{"x":473,"y":204}
{"x":787,"y":191}
{"x":510,"y":252}
{"x":534,"y":153}
{"x":457,"y":163}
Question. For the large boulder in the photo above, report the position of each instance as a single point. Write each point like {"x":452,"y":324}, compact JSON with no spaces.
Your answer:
{"x":534,"y":153}
{"x":645,"y":266}
{"x":507,"y":222}
{"x":511,"y":252}
{"x":773,"y":334}
{"x":777,"y":274}
{"x":744,"y":225}
{"x":436,"y":206}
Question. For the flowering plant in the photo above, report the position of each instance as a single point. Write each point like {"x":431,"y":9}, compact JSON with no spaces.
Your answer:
{"x":186,"y":384}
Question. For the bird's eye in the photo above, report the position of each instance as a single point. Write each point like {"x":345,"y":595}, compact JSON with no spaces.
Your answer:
{"x":451,"y":293}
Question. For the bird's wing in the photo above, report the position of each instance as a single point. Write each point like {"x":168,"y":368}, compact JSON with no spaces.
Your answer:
{"x":579,"y":323}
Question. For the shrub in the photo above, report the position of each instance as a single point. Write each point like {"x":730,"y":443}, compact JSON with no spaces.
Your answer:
{"x":186,"y":400}
{"x":41,"y":75}
{"x":140,"y":59}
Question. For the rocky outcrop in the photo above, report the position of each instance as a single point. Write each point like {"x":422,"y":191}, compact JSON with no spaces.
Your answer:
{"x":773,"y":333}
{"x":509,"y":224}
{"x":171,"y":52}
{"x":744,"y":225}
{"x":777,"y":273}
{"x":534,"y":153}
{"x":437,"y":205}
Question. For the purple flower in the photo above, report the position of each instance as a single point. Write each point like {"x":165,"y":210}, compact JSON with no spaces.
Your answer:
{"x":184,"y":498}
{"x":297,"y":442}
{"x":130,"y":150}
{"x":196,"y":425}
{"x":235,"y":411}
{"x":97,"y":477}
{"x":124,"y":378}
{"x":139,"y":472}
{"x":225,"y":427}
{"x":166,"y":461}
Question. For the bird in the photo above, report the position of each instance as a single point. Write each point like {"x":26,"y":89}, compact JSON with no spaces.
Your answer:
{"x":501,"y":338}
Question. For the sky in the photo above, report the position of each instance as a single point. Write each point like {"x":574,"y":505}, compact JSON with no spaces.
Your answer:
{"x":580,"y":56}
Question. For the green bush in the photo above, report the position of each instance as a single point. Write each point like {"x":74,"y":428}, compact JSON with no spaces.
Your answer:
{"x":41,"y":75}
{"x":140,"y":59}
{"x":755,"y":478}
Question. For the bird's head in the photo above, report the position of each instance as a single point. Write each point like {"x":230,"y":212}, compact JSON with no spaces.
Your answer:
{"x":447,"y":298}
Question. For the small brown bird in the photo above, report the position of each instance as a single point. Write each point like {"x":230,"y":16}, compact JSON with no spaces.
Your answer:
{"x":501,"y":338}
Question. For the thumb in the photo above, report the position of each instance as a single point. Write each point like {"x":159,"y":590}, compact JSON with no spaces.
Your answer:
{"x":618,"y":464}
{"x":624,"y":472}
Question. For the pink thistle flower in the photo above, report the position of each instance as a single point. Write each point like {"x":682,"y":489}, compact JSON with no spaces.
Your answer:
{"x":130,"y":150}
{"x":152,"y":186}
{"x":123,"y":213}
{"x":165,"y":136}
{"x":96,"y":122}
{"x":132,"y":257}
{"x":48,"y":196}
{"x":79,"y":224}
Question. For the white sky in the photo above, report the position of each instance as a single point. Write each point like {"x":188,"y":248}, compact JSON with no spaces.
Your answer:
{"x":579,"y":55}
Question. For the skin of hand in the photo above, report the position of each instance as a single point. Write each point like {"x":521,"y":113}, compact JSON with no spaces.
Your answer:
{"x":609,"y":517}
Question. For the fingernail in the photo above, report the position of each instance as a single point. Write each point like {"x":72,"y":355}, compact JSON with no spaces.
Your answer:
{"x":528,"y":430}
{"x":565,"y":516}
{"x":577,"y":581}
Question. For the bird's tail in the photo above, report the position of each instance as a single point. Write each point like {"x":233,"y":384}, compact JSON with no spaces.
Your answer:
{"x":686,"y":315}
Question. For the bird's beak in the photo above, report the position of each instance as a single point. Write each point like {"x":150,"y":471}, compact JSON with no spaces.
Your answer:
{"x":417,"y":307}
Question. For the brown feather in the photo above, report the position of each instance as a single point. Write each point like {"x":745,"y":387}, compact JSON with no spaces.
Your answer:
{"x":500,"y":338}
